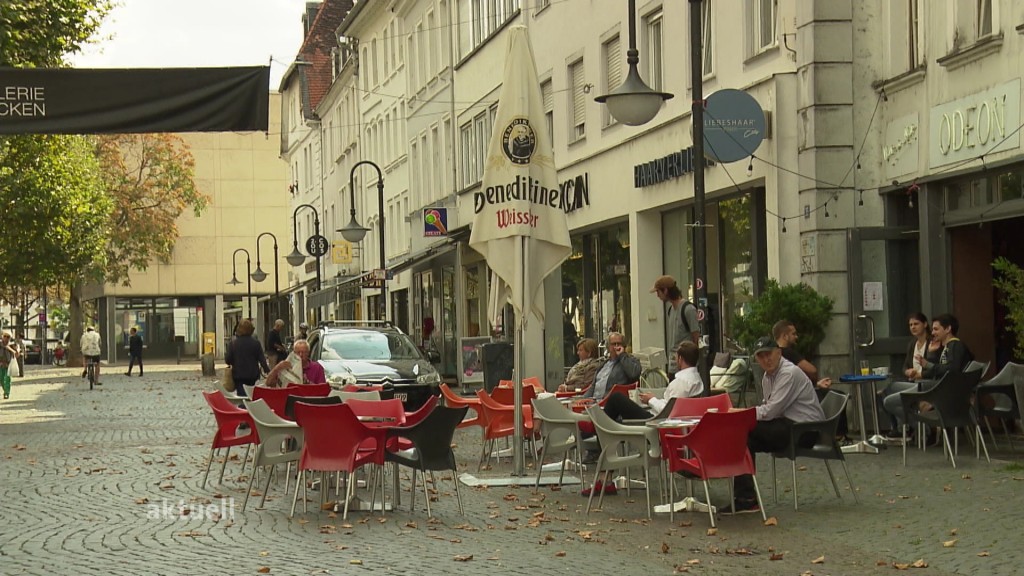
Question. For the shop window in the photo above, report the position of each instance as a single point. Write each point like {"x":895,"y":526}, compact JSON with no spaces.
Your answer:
{"x":596,"y":284}
{"x":958,"y":196}
{"x":1011,"y":185}
{"x":982,"y":193}
{"x":736,"y":266}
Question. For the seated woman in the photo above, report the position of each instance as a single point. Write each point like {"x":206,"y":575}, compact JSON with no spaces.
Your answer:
{"x":943,"y":354}
{"x":582,"y":374}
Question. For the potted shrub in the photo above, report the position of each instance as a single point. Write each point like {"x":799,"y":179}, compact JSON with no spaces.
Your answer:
{"x":799,"y":303}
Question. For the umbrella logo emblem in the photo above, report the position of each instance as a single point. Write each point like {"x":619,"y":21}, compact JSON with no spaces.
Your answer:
{"x":519,"y":141}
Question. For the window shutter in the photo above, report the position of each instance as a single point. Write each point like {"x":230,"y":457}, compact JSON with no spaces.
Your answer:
{"x":579,"y":100}
{"x":613,"y":53}
{"x":547,"y":96}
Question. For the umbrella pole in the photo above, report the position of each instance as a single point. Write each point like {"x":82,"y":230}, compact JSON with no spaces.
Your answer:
{"x":518,"y":461}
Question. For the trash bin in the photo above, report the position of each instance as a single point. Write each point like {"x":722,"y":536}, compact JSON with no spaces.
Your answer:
{"x":209,"y":342}
{"x":498,"y":360}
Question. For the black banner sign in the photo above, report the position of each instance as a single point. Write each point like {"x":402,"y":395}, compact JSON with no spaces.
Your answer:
{"x":128,"y":101}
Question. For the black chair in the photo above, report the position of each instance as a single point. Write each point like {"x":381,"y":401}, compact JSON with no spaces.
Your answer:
{"x":825,"y":446}
{"x":997,"y":397}
{"x":950,"y":401}
{"x":289,"y":404}
{"x":432,"y":449}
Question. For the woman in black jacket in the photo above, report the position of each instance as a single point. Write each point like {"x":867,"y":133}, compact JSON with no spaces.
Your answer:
{"x":921,"y":345}
{"x":955,"y":355}
{"x":246,"y":358}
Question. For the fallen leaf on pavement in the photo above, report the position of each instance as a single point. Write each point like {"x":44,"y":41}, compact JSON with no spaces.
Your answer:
{"x":771,"y":521}
{"x":949,"y":543}
{"x":264,"y":569}
{"x":560,"y":554}
{"x":712,"y":531}
{"x":264,"y":553}
{"x":919,"y":563}
{"x":664,"y":548}
{"x":776,"y":556}
{"x":983,"y":553}
{"x":953,"y":531}
{"x":818,"y":560}
{"x":463,"y":558}
{"x":693,"y":562}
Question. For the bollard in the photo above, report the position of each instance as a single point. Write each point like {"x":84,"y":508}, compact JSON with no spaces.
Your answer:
{"x":208,"y":368}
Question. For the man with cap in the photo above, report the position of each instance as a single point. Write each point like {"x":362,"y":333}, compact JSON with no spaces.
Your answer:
{"x":681,"y":314}
{"x":788,"y":398}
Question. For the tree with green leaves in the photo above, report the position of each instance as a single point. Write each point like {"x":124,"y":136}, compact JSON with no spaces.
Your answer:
{"x":40,"y":33}
{"x":1009,"y":285}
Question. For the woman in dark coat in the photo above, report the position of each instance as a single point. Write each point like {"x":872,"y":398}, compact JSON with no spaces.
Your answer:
{"x":246,"y":358}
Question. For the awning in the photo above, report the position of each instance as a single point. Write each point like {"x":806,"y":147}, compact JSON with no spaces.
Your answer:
{"x":321,"y":298}
{"x":422,"y":256}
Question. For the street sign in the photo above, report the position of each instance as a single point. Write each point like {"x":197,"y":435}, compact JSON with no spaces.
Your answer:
{"x":317,"y":246}
{"x":373,"y":284}
{"x":700,"y":283}
{"x":700,"y":315}
{"x":382,"y":274}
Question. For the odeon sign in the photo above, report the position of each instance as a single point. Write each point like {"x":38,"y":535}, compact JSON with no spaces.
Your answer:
{"x":975,"y":125}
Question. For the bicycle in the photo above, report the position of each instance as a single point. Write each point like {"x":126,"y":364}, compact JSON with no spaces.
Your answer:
{"x":654,"y":377}
{"x":90,"y":372}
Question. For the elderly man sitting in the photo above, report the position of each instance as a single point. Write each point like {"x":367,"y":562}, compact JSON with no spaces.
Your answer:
{"x":788,"y":398}
{"x":686,"y":384}
{"x":312,"y":372}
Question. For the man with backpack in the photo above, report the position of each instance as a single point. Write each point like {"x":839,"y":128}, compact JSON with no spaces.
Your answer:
{"x":681,"y":314}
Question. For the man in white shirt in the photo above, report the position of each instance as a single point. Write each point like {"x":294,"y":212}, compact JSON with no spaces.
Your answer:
{"x":686,"y":384}
{"x":91,"y":349}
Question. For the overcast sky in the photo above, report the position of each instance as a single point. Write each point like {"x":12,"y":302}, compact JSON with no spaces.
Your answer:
{"x":198,"y":33}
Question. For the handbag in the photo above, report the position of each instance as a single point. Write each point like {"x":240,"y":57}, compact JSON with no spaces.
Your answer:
{"x":227,"y":380}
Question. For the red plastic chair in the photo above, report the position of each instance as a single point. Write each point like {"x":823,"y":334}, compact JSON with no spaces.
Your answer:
{"x":332,"y":439}
{"x":229,"y":417}
{"x":499,"y":422}
{"x":534,"y":382}
{"x":618,"y":389}
{"x":715,"y":448}
{"x":507,"y":395}
{"x":505,"y":383}
{"x":697,"y":407}
{"x":276,"y":398}
{"x":310,"y":390}
{"x":453,"y":400}
{"x":385,"y":413}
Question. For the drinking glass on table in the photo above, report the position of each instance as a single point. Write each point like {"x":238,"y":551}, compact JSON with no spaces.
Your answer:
{"x":865,"y":368}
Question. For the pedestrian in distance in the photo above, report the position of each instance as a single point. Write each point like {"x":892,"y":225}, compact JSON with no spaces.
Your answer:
{"x":134,"y":351}
{"x":8,"y":354}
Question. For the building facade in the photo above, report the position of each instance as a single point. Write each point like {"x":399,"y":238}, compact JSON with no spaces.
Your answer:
{"x":174,"y":304}
{"x":889,"y":177}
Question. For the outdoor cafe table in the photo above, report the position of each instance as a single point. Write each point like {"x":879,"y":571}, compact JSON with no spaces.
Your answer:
{"x":856,"y":381}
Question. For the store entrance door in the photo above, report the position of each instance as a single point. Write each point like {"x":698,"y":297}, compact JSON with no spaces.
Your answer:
{"x":885,"y":287}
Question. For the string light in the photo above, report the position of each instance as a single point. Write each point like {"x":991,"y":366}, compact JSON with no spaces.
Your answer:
{"x":750,"y":166}
{"x":861,"y":201}
{"x":783,"y":225}
{"x":826,"y":208}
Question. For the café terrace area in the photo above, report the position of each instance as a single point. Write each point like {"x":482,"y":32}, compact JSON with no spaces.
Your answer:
{"x":110,"y":481}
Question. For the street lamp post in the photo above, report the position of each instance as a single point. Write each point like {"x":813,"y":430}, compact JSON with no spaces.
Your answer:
{"x":258,"y":275}
{"x":633,"y":103}
{"x":248,"y":275}
{"x":296,"y":258}
{"x":354,"y":232}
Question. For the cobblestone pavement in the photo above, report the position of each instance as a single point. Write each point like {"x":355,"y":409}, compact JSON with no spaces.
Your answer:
{"x":93,"y":482}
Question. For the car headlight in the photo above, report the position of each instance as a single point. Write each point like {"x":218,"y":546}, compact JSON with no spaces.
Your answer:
{"x":432,"y":378}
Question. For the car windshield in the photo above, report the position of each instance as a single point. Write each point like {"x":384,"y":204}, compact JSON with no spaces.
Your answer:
{"x":369,"y":346}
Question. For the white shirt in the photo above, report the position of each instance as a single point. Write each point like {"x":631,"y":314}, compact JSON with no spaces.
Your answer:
{"x":920,"y":348}
{"x":686,"y":384}
{"x":91,"y":343}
